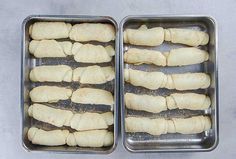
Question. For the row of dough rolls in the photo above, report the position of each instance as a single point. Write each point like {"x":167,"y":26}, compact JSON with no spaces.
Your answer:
{"x":156,"y":36}
{"x":156,"y":104}
{"x":82,"y":32}
{"x":92,"y":138}
{"x":192,"y":125}
{"x":84,"y":53}
{"x":85,"y":75}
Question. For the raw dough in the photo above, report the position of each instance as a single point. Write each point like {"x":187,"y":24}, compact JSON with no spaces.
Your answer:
{"x":93,"y":74}
{"x":49,"y":30}
{"x":92,"y":32}
{"x":77,"y":121}
{"x":89,"y":53}
{"x":92,"y":96}
{"x":155,"y":80}
{"x":186,"y":36}
{"x":50,"y":94}
{"x":144,"y":36}
{"x":51,"y":73}
{"x":50,"y":48}
{"x":192,"y":125}
{"x":144,"y":56}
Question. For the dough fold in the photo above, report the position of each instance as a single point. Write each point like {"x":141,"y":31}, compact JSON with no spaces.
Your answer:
{"x":92,"y":32}
{"x":93,"y":74}
{"x":192,"y":125}
{"x":77,"y":121}
{"x":51,"y":73}
{"x":92,"y":96}
{"x":50,"y":48}
{"x":89,"y":53}
{"x":156,"y":80}
{"x":49,"y":30}
{"x":93,"y":138}
{"x":50,"y":94}
{"x":186,"y":36}
{"x":144,"y":36}
{"x":156,"y":104}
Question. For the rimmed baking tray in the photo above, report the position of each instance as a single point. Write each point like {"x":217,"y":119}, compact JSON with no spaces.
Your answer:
{"x":143,"y":142}
{"x":28,"y":61}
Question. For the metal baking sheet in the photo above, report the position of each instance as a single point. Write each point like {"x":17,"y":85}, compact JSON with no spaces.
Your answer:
{"x":29,"y":61}
{"x":144,"y":142}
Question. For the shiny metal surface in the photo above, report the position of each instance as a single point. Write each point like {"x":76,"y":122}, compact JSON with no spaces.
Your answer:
{"x":143,"y":142}
{"x":29,"y":61}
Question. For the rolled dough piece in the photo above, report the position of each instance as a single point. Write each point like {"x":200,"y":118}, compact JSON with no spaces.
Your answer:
{"x":51,"y":73}
{"x":49,"y":30}
{"x":154,"y":104}
{"x":89,"y":53}
{"x":47,"y":138}
{"x":192,"y":125}
{"x":92,"y":96}
{"x":186,"y":56}
{"x":93,"y":74}
{"x":91,"y":121}
{"x":141,"y":124}
{"x":50,"y":48}
{"x":191,"y":101}
{"x":92,"y":32}
{"x":150,"y":80}
{"x":50,"y":94}
{"x":57,"y":117}
{"x":155,"y":80}
{"x":144,"y":36}
{"x":94,"y":138}
{"x":144,"y":56}
{"x":186,"y":36}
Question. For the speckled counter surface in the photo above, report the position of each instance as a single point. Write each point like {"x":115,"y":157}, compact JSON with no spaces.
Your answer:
{"x":12,"y":14}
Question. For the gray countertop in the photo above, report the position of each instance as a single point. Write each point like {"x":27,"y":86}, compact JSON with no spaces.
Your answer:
{"x":12,"y":14}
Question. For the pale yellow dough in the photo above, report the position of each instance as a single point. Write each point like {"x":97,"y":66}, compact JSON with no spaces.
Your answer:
{"x":93,"y":74}
{"x":51,"y":73}
{"x":156,"y":80}
{"x":89,"y":53}
{"x":50,"y":94}
{"x":186,"y":36}
{"x":192,"y":125}
{"x":77,"y":121}
{"x":49,"y":30}
{"x":92,"y":32}
{"x":93,"y":138}
{"x":50,"y":48}
{"x":156,"y":104}
{"x":144,"y":36}
{"x":92,"y":96}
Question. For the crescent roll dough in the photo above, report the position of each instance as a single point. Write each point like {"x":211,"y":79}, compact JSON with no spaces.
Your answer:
{"x":50,"y":94}
{"x":186,"y":36}
{"x":92,"y":96}
{"x":47,"y":138}
{"x":79,"y":122}
{"x":156,"y":104}
{"x":155,"y":80}
{"x":89,"y":53}
{"x":51,"y":73}
{"x":93,"y":74}
{"x":144,"y":36}
{"x":94,"y":138}
{"x":175,"y":57}
{"x":49,"y":30}
{"x":192,"y":125}
{"x":50,"y":48}
{"x":144,"y":56}
{"x":92,"y":32}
